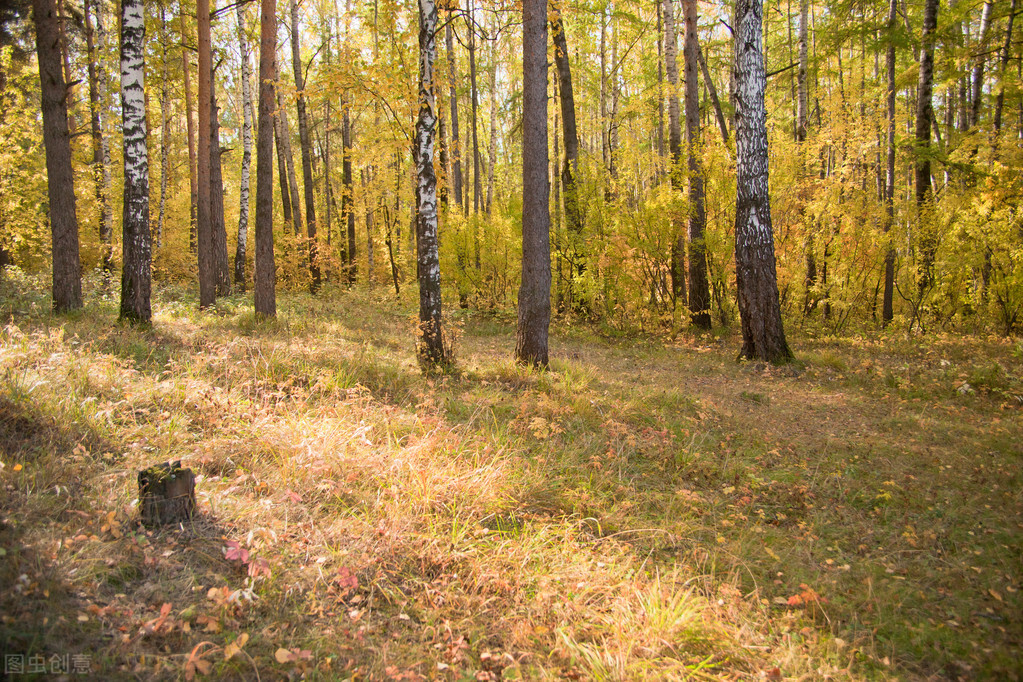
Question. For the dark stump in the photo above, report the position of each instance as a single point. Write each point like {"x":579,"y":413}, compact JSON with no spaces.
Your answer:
{"x":166,"y":494}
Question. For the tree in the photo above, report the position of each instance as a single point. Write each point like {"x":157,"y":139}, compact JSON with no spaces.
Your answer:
{"x":887,"y":308}
{"x":100,"y":143}
{"x":204,"y":223}
{"x":924,"y":122}
{"x":305,"y":141}
{"x":431,"y":342}
{"x":699,"y":290}
{"x":193,"y":171}
{"x":456,"y":153}
{"x":67,"y":269}
{"x":763,"y":337}
{"x":218,"y":228}
{"x":678,"y":244}
{"x":534,"y":310}
{"x":265,"y":270}
{"x":243,"y":198}
{"x":136,"y":245}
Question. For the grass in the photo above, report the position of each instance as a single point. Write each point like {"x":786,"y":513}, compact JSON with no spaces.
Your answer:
{"x":646,"y":510}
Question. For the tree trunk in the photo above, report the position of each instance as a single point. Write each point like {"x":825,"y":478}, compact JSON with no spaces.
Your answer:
{"x":570,"y":167}
{"x":456,"y":152}
{"x":136,"y":245}
{"x":477,"y":186}
{"x":367,"y":175}
{"x":67,"y":268}
{"x":763,"y":336}
{"x":348,"y":195}
{"x":307,"y":151}
{"x":218,"y":227}
{"x":534,"y":309}
{"x":678,"y":244}
{"x":661,"y":148}
{"x":713,"y":91}
{"x":265,"y":270}
{"x":1003,"y":68}
{"x":699,"y":289}
{"x":924,"y":118}
{"x":887,"y":307}
{"x":243,"y":202}
{"x":193,"y":182}
{"x":978,"y":65}
{"x":430,"y":342}
{"x":204,"y":224}
{"x":164,"y":126}
{"x":284,"y":143}
{"x":492,"y":151}
{"x":100,"y":143}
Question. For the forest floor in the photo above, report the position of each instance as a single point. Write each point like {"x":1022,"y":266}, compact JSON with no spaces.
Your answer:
{"x":648,"y":509}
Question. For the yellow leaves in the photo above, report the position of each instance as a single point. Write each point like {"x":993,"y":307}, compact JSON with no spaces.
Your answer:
{"x":236,"y":646}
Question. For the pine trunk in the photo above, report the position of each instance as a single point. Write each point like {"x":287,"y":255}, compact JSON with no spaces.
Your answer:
{"x":348,"y":194}
{"x":193,"y":186}
{"x":678,"y":244}
{"x":67,"y":268}
{"x":204,"y":223}
{"x":699,"y":289}
{"x":164,"y":127}
{"x":307,"y":151}
{"x":265,"y":271}
{"x":534,"y":308}
{"x":136,"y":243}
{"x":456,"y":152}
{"x":222,"y":268}
{"x":887,"y":306}
{"x":284,"y":145}
{"x":763,"y":337}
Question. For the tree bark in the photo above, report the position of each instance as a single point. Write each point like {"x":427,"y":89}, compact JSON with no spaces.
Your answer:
{"x":713,"y":92}
{"x":218,"y":228}
{"x":887,"y":306}
{"x":67,"y":268}
{"x":284,"y":142}
{"x":678,"y":244}
{"x":348,"y":193}
{"x":307,"y":151}
{"x":763,"y":336}
{"x":265,"y":270}
{"x":924,"y":122}
{"x":95,"y":39}
{"x":978,"y":65}
{"x":1003,"y":67}
{"x":699,"y":289}
{"x":136,"y":245}
{"x":243,"y":200}
{"x":534,"y":308}
{"x":193,"y":186}
{"x":204,"y":224}
{"x":164,"y":126}
{"x":430,"y":342}
{"x":456,"y":152}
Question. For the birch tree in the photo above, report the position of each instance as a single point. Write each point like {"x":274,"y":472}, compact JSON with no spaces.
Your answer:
{"x":136,"y":244}
{"x":243,"y":198}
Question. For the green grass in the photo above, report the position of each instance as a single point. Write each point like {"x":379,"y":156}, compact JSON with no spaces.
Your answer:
{"x":648,"y":509}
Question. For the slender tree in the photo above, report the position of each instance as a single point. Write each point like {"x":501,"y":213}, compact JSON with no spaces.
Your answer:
{"x":218,"y":228}
{"x":305,"y":140}
{"x":678,"y":244}
{"x":243,"y":203}
{"x":534,"y":309}
{"x":204,"y":224}
{"x":699,"y":289}
{"x":924,"y":123}
{"x":136,"y":245}
{"x":456,"y":152}
{"x":95,"y":40}
{"x":67,"y":269}
{"x":763,"y":336}
{"x":164,"y":125}
{"x":430,"y":341}
{"x":265,"y":271}
{"x":887,"y":307}
{"x":193,"y":183}
{"x":284,"y":145}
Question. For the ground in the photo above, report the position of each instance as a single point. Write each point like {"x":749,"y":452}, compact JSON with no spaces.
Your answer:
{"x":648,"y":509}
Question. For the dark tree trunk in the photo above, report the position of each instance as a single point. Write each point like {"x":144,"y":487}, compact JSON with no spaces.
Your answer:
{"x":348,"y":193}
{"x":166,"y":495}
{"x":100,"y":143}
{"x":534,"y":310}
{"x":136,"y":246}
{"x":456,"y":152}
{"x":678,"y":244}
{"x":204,"y":222}
{"x":477,"y":187}
{"x":265,"y":272}
{"x":222,"y":267}
{"x":924,"y":122}
{"x":763,"y":336}
{"x":430,"y":342}
{"x":713,"y":92}
{"x":1003,"y":68}
{"x":67,"y":268}
{"x":978,"y":65}
{"x":284,"y":144}
{"x":307,"y":151}
{"x":570,"y":168}
{"x":887,"y":307}
{"x":699,"y":289}
{"x":164,"y":126}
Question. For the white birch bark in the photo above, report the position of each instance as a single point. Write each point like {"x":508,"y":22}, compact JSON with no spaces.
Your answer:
{"x":247,"y":116}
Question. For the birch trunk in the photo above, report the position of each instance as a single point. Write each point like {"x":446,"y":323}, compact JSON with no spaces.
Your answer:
{"x":218,"y":228}
{"x":136,"y":246}
{"x":95,"y":40}
{"x":763,"y":337}
{"x":67,"y":269}
{"x":887,"y":306}
{"x":430,"y":342}
{"x":924,"y":122}
{"x":243,"y":204}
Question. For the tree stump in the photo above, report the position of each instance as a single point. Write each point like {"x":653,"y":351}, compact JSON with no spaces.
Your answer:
{"x":166,"y":494}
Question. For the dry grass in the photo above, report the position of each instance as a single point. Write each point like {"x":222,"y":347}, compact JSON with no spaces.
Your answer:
{"x":643,"y":511}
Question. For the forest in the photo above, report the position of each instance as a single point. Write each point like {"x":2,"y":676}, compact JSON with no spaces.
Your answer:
{"x":578,"y":339}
